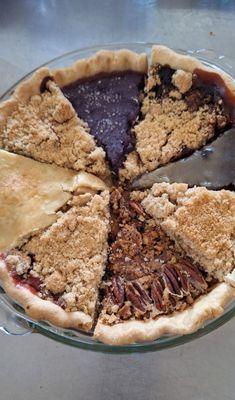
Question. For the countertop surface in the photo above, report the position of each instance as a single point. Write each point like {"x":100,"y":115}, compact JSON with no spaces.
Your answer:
{"x":34,"y":367}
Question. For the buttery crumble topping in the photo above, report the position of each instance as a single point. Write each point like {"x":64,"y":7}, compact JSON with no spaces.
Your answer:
{"x":179,"y":115}
{"x":47,"y":129}
{"x":201,"y":221}
{"x":65,"y":262}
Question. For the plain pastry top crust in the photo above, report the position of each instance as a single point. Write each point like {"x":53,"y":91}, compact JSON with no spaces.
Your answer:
{"x":39,"y":122}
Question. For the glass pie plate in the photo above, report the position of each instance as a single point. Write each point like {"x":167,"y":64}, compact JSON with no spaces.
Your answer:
{"x":14,"y":321}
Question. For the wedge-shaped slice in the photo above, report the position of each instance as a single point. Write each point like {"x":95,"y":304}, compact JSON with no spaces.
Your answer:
{"x":53,"y":238}
{"x":55,"y":275}
{"x":171,"y":251}
{"x":105,"y":91}
{"x":39,"y":122}
{"x":201,"y":221}
{"x":186,"y":104}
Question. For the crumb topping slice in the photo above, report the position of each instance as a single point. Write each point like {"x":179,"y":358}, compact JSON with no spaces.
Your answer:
{"x":201,"y":221}
{"x":64,"y":263}
{"x":45,"y":127}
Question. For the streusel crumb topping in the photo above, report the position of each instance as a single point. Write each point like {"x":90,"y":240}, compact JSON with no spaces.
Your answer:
{"x":67,"y":260}
{"x":47,"y":129}
{"x":201,"y":221}
{"x":179,"y":115}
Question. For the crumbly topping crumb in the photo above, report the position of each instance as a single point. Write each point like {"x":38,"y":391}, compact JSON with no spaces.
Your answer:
{"x":178,"y":117}
{"x":69,"y":257}
{"x":201,"y":221}
{"x":47,"y":129}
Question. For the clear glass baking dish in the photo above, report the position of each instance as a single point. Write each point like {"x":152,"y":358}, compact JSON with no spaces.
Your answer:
{"x":14,"y":321}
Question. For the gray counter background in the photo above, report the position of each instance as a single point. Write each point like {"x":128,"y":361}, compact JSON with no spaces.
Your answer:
{"x":34,"y":367}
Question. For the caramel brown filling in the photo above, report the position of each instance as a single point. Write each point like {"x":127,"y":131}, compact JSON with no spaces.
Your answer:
{"x":146,"y":274}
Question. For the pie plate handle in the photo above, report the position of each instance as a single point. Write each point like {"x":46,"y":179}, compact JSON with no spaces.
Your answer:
{"x":12,"y":324}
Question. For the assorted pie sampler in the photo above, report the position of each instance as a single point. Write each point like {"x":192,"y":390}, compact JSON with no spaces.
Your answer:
{"x":79,"y":248}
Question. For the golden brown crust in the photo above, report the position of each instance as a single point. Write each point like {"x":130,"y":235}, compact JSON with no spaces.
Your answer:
{"x":102,"y":62}
{"x":42,"y":310}
{"x":23,"y":92}
{"x":180,"y":323}
{"x":165,"y":56}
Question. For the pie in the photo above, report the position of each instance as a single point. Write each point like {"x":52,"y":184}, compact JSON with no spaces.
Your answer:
{"x":79,"y":248}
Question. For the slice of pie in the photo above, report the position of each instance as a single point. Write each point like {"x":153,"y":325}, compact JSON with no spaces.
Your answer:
{"x":186,"y":105}
{"x":39,"y":122}
{"x":171,"y":250}
{"x":105,"y":91}
{"x":53,"y":272}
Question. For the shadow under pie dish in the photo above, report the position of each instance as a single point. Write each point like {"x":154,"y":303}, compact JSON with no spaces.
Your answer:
{"x":97,"y":76}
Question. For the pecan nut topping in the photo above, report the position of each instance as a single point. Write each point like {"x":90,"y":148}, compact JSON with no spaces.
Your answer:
{"x":137,"y":295}
{"x":117,"y":290}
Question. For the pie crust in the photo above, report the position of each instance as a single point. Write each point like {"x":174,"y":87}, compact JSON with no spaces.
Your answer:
{"x":180,"y":323}
{"x":104,"y":61}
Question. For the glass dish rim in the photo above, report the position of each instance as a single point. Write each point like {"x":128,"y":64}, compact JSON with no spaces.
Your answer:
{"x":164,"y":341}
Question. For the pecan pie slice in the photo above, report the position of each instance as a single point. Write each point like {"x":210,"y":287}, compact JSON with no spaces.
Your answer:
{"x":186,"y":105}
{"x":39,"y":122}
{"x":171,"y":250}
{"x":53,"y":238}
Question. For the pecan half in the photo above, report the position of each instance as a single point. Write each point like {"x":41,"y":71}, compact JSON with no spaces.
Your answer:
{"x":117,"y":290}
{"x":172,"y":283}
{"x":137,"y":207}
{"x":157,"y":295}
{"x":195,"y":276}
{"x":137,"y":295}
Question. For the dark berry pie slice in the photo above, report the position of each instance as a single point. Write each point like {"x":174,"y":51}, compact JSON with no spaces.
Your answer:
{"x":105,"y":91}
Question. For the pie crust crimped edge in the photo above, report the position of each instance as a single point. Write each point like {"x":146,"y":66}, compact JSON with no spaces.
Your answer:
{"x":165,"y":56}
{"x":42,"y":310}
{"x":23,"y":92}
{"x":207,"y":307}
{"x":104,"y":61}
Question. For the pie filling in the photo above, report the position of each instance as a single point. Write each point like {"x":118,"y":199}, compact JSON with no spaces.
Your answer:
{"x":146,"y":274}
{"x":180,"y":113}
{"x":110,"y":104}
